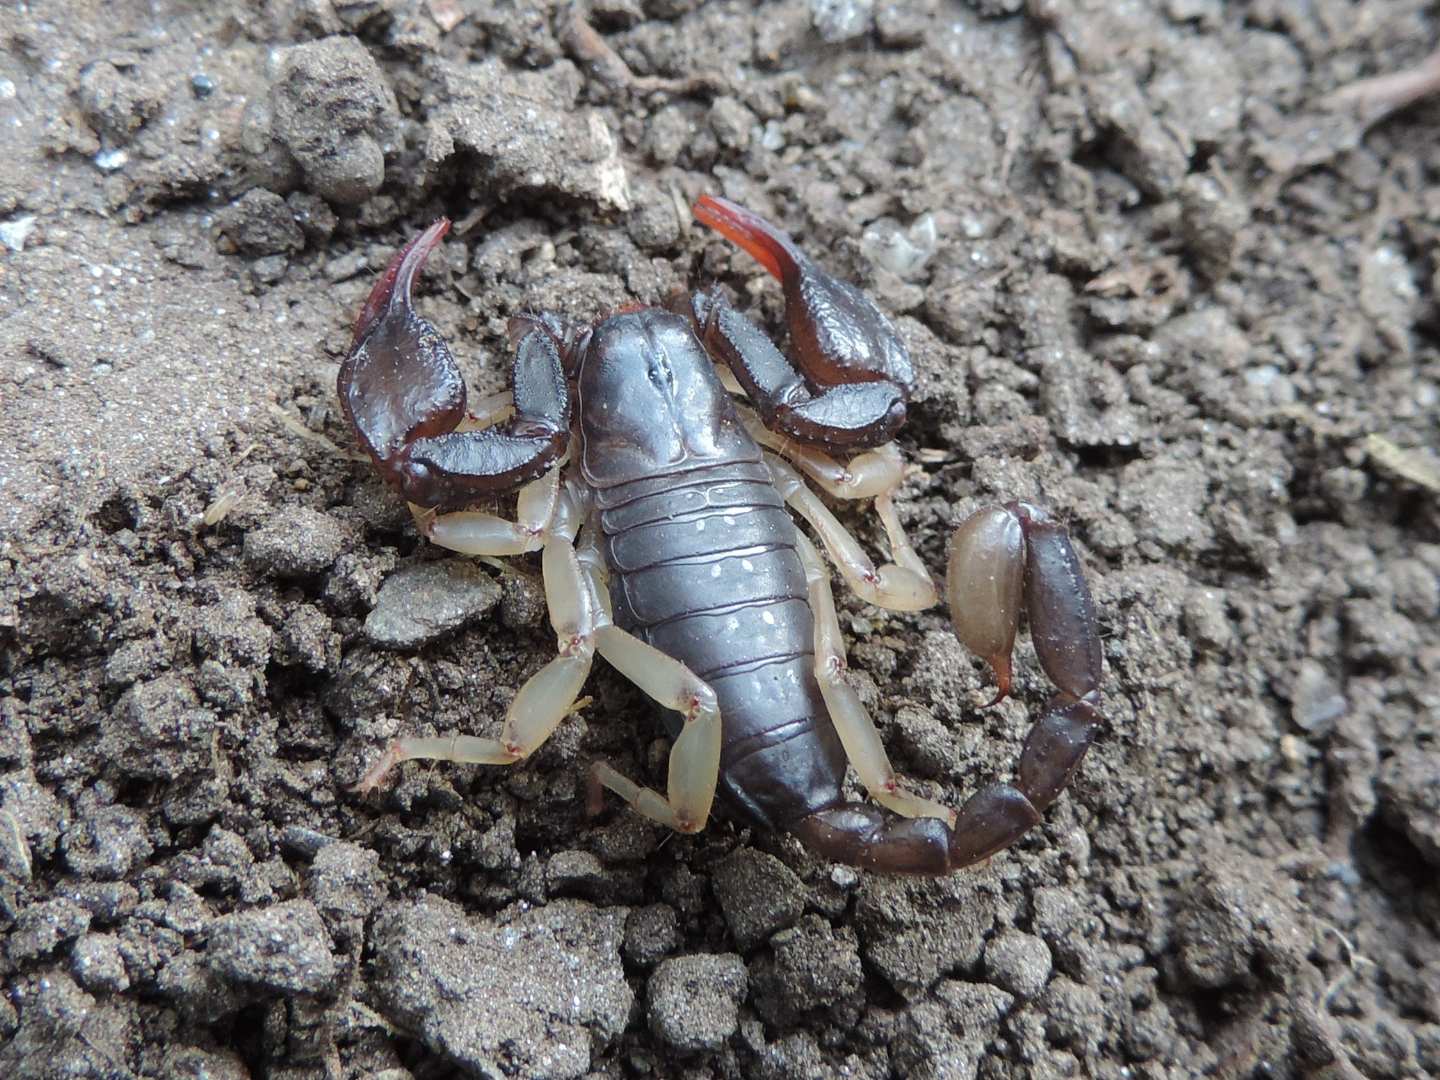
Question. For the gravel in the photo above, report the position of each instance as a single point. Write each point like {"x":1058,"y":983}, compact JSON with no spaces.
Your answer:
{"x":1018,"y":963}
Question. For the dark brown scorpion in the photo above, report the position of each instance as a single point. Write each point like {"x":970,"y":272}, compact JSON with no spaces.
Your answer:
{"x":667,"y":547}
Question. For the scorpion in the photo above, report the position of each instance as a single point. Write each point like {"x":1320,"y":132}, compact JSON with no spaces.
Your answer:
{"x":667,"y":548}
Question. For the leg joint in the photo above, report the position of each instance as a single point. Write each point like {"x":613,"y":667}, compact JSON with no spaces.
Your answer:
{"x":701,"y":702}
{"x":580,"y":646}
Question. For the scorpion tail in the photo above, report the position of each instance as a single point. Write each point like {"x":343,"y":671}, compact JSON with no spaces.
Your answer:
{"x":868,"y":837}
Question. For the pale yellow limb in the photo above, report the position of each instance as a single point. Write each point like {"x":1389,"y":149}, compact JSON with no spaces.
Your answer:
{"x":901,"y":553}
{"x":903,"y":585}
{"x":864,"y":476}
{"x":857,"y":731}
{"x":542,"y":510}
{"x":597,"y":573}
{"x":728,"y":380}
{"x":695,"y":757}
{"x":547,"y":696}
{"x":491,"y":410}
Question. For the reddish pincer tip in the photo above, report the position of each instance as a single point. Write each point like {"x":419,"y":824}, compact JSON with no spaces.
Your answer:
{"x":767,"y":245}
{"x":398,"y":279}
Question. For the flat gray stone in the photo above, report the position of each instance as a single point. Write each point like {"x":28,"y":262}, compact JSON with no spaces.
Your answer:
{"x":424,"y":601}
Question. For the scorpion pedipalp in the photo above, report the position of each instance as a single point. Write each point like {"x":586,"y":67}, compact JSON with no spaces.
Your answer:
{"x":847,"y":376}
{"x":404,"y":396}
{"x":837,"y":334}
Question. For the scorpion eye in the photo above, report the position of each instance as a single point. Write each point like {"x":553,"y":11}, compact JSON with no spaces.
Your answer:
{"x":660,"y":373}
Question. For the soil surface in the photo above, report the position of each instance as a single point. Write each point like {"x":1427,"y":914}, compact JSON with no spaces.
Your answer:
{"x":1152,"y":274}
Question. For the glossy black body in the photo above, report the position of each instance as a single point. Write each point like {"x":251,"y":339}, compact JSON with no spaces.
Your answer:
{"x":703,"y":560}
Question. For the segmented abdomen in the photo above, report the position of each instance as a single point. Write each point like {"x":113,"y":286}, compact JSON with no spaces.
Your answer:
{"x":704,"y":567}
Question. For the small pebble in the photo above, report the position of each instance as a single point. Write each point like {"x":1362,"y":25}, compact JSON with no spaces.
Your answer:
{"x":522,"y":602}
{"x":1206,"y":623}
{"x":295,"y":542}
{"x":1018,"y":963}
{"x":574,"y":873}
{"x":840,"y":20}
{"x":96,"y":963}
{"x":423,"y":601}
{"x":106,"y":901}
{"x":283,"y":948}
{"x":111,"y":160}
{"x":41,"y":928}
{"x":260,"y":223}
{"x":809,"y":966}
{"x":345,"y":881}
{"x":904,"y":252}
{"x":694,"y":1000}
{"x":16,"y":231}
{"x":1318,"y":701}
{"x":651,"y":934}
{"x":333,"y":108}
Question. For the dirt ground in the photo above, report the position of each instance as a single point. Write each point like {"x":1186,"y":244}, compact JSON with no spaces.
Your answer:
{"x":1152,"y":273}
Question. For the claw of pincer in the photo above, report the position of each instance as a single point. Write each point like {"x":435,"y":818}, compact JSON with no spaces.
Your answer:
{"x":398,"y":382}
{"x":1018,"y":556}
{"x":837,"y":334}
{"x":393,"y":287}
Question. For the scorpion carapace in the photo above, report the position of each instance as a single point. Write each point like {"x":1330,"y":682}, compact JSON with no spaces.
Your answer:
{"x":668,"y":548}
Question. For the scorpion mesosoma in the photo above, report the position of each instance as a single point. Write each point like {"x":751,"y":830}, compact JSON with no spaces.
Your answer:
{"x":668,"y":549}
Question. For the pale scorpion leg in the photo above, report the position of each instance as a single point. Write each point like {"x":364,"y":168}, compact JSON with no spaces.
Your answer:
{"x":695,"y":756}
{"x":857,"y":731}
{"x":902,"y":585}
{"x":493,"y":409}
{"x":542,"y":509}
{"x":545,"y":699}
{"x":870,"y":474}
{"x":866,"y":475}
